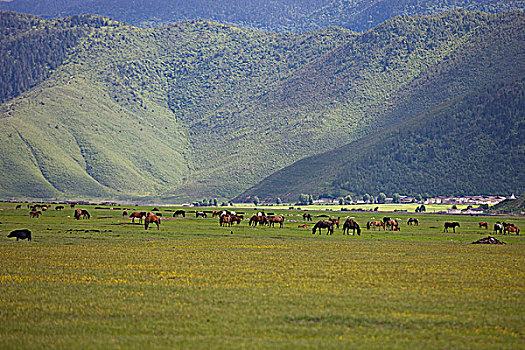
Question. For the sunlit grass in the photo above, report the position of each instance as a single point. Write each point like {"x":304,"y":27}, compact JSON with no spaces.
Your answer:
{"x":192,"y":284}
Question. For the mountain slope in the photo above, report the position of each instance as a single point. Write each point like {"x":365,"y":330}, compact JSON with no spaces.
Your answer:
{"x":272,"y":15}
{"x":472,"y":144}
{"x":201,"y":109}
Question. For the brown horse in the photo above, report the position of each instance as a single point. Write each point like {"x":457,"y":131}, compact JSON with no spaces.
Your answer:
{"x":216,"y":213}
{"x":393,"y":224}
{"x":374,"y":224}
{"x":350,"y":224}
{"x":335,"y":221}
{"x":257,"y":219}
{"x":451,"y":225}
{"x":137,"y":215}
{"x":179,"y":212}
{"x":225,"y":220}
{"x":152,"y":218}
{"x":77,"y":214}
{"x":35,"y":213}
{"x":483,"y":224}
{"x":511,"y":228}
{"x":85,"y":214}
{"x":236,"y":218}
{"x":275,"y":219}
{"x":324,"y":224}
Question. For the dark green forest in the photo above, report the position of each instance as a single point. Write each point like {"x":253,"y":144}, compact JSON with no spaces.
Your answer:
{"x":468,"y":145}
{"x":200,"y":109}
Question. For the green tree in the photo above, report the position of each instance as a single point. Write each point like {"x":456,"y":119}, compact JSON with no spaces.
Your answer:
{"x":396,"y":198}
{"x":381,"y":198}
{"x":366,"y":197}
{"x":278,"y":201}
{"x":255,"y":200}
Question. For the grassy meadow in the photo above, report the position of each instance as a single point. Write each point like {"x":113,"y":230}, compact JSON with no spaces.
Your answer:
{"x":106,"y":283}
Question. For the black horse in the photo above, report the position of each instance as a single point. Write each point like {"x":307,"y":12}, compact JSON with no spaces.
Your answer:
{"x":307,"y":217}
{"x":351,"y":224}
{"x":413,"y":221}
{"x":451,"y":225}
{"x":324,"y":224}
{"x":179,"y":212}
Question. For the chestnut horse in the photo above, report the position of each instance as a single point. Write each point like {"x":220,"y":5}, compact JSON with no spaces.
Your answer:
{"x":151,"y":218}
{"x":335,"y":221}
{"x":275,"y":219}
{"x":137,"y":215}
{"x":483,"y":224}
{"x":35,"y":213}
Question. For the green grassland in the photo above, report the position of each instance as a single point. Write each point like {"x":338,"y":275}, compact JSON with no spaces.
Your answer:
{"x":104,"y":282}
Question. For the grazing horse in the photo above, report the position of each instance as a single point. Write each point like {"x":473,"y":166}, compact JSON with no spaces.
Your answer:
{"x":77,"y":214}
{"x":257,"y":219}
{"x":508,"y":229}
{"x":350,"y":224}
{"x":59,"y":207}
{"x":498,"y":228}
{"x":324,"y":224}
{"x":137,"y":215}
{"x":335,"y":221}
{"x":85,"y":214}
{"x":216,"y":213}
{"x":386,"y":219}
{"x":307,"y":216}
{"x":225,"y":220}
{"x":375,"y":224}
{"x":413,"y":221}
{"x":276,"y":219}
{"x":200,"y":213}
{"x":35,"y":213}
{"x":18,"y":206}
{"x":393,"y":224}
{"x":125,"y":213}
{"x":179,"y":212}
{"x":451,"y":225}
{"x":483,"y":224}
{"x":236,"y":218}
{"x":151,"y":218}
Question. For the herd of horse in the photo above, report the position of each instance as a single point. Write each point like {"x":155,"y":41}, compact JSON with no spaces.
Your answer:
{"x":229,"y":218}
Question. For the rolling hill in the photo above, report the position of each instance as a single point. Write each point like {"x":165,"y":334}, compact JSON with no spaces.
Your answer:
{"x":268,"y":15}
{"x":202,"y":109}
{"x":471,"y":144}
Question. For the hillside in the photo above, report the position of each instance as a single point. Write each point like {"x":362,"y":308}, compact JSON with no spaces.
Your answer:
{"x":270,"y":15}
{"x":472,"y":144}
{"x":202,"y":109}
{"x":510,"y":205}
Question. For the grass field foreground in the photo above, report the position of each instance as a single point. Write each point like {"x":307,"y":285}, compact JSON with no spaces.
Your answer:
{"x":104,"y":283}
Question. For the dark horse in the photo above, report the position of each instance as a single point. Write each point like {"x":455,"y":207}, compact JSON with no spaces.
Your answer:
{"x":150,"y":219}
{"x":324,"y":224}
{"x":307,"y":216}
{"x":258,"y":219}
{"x":200,"y":213}
{"x":81,"y":212}
{"x":351,"y":224}
{"x":451,"y":225}
{"x":179,"y":212}
{"x":413,"y":221}
{"x":137,"y":215}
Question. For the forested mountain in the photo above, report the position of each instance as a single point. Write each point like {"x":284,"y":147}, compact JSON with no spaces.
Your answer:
{"x":202,"y":109}
{"x":271,"y":15}
{"x":471,"y":144}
